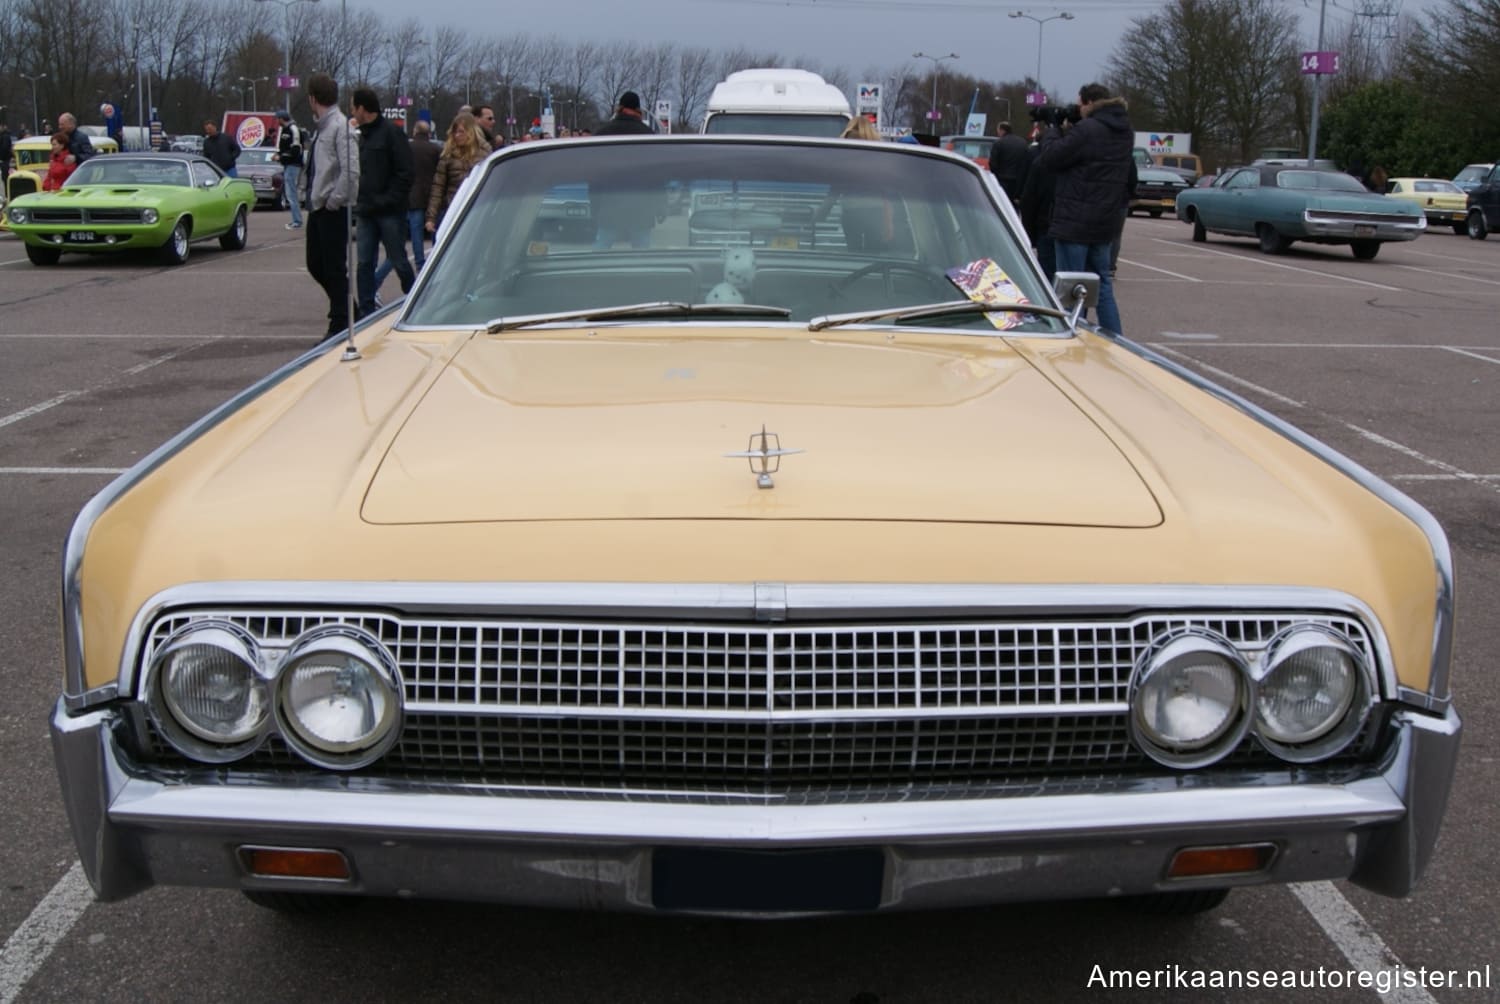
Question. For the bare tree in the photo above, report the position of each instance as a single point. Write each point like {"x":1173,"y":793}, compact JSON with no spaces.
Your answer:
{"x":694,"y":79}
{"x":576,"y":72}
{"x":1258,"y":44}
{"x":1169,"y":65}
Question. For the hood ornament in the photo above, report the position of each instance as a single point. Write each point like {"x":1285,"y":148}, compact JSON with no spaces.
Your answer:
{"x":764,"y":453}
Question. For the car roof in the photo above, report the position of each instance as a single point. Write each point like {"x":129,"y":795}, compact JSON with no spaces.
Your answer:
{"x":1156,"y":173}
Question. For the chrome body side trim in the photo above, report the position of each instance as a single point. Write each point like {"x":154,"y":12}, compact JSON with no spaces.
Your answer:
{"x":1377,"y":825}
{"x":1442,"y":555}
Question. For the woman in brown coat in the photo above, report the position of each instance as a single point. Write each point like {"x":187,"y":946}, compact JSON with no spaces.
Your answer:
{"x":464,"y":148}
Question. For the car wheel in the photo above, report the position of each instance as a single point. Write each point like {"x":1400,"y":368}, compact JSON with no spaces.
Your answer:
{"x":1365,"y":250}
{"x":234,"y":239}
{"x":1271,"y":240}
{"x":1475,"y":226}
{"x":281,"y":203}
{"x":299,"y":904}
{"x":1461,"y":228}
{"x":1186,"y":903}
{"x":175,"y":250}
{"x":43,"y":256}
{"x":1200,"y":233}
{"x":1156,"y":214}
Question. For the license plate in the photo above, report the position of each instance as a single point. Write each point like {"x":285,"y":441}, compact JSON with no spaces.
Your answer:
{"x":82,"y":236}
{"x":691,"y":878}
{"x":578,"y":210}
{"x":1364,"y":230}
{"x":1169,"y":202}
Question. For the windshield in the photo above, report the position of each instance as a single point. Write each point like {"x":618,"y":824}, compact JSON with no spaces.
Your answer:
{"x":30,"y":158}
{"x":1474,"y":172}
{"x":129,"y":171}
{"x":776,"y":124}
{"x":1437,"y":187}
{"x":813,"y":229}
{"x":1323,"y":181}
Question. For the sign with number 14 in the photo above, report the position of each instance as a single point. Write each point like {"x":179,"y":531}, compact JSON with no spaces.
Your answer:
{"x":1321,"y":63}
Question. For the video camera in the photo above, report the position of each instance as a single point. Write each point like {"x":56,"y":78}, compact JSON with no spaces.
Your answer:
{"x":1056,"y":115}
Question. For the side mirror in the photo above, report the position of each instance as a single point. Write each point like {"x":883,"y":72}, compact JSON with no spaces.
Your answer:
{"x":1077,"y":291}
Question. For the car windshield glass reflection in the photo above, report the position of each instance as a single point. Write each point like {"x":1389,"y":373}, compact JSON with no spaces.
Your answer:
{"x":130,"y":171}
{"x":810,"y":230}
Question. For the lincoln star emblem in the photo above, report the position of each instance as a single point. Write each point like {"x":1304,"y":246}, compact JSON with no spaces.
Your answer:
{"x":765,"y":455}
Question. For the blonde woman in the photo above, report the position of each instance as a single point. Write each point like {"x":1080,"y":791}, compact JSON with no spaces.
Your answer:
{"x":464,"y":148}
{"x":862,"y":128}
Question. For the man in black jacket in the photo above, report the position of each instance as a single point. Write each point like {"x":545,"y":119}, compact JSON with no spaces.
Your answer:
{"x":1010,"y":159}
{"x":1092,"y":164}
{"x":621,"y":210}
{"x":289,"y":156}
{"x":385,"y":177}
{"x":220,"y":148}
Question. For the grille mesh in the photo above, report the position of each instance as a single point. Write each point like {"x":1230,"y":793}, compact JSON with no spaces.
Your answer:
{"x":753,"y":708}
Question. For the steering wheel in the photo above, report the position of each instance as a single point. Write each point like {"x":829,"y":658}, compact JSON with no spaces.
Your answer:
{"x":888,"y":269}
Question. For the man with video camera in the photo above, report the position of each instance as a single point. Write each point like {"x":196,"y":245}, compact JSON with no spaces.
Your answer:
{"x":1091,"y":162}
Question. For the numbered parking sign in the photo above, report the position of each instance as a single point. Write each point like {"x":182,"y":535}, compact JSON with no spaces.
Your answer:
{"x":1321,"y":63}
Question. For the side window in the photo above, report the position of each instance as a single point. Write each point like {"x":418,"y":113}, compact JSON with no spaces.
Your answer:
{"x":1245,"y":179}
{"x":204,"y":175}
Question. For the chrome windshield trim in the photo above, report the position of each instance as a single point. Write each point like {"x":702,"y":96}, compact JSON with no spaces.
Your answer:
{"x":72,"y":600}
{"x":1442,"y":555}
{"x":804,"y":602}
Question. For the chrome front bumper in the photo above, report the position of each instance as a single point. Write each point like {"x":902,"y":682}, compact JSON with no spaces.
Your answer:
{"x":134,"y":831}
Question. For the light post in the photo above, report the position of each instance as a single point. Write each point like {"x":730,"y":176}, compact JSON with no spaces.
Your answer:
{"x":36,"y":119}
{"x":286,"y":71}
{"x":934,"y":115}
{"x":1041,"y":22}
{"x":254,"y":97}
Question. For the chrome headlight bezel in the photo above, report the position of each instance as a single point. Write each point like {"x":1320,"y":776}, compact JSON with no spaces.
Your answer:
{"x":18,"y":214}
{"x":175,"y":721}
{"x":1166,"y":657}
{"x":1341,"y":727}
{"x":378,"y":667}
{"x":150,"y":216}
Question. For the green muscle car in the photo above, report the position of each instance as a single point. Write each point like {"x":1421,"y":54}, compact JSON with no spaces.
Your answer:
{"x":163,"y":201}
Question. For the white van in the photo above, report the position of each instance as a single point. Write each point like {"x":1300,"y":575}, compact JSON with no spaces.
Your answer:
{"x":777,"y":102}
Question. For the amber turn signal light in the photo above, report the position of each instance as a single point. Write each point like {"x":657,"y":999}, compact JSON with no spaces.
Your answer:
{"x":295,"y":862}
{"x":1240,"y":859}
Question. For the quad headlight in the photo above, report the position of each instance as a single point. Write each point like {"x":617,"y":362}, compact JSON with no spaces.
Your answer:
{"x":338,"y":697}
{"x":1313,"y":694}
{"x":149,"y":216}
{"x":208,"y":696}
{"x":1189,"y":700}
{"x":19,"y":215}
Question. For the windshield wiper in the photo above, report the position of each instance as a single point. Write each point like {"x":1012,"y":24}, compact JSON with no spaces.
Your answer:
{"x":658,"y":308}
{"x":919,"y":311}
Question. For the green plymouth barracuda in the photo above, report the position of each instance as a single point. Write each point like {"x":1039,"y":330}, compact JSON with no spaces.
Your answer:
{"x":163,"y":201}
{"x":1278,"y":204}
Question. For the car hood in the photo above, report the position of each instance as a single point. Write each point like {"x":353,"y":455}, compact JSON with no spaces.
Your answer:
{"x":114,"y":195}
{"x":636,"y":427}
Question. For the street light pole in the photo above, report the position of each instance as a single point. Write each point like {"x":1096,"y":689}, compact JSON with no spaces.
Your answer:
{"x":36,"y":119}
{"x":1041,"y":22}
{"x":286,"y":65}
{"x":933,"y":115}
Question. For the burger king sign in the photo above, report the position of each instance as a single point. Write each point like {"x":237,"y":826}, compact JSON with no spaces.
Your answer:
{"x":251,"y":129}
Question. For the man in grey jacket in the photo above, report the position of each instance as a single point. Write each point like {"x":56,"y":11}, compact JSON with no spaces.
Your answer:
{"x":331,"y":181}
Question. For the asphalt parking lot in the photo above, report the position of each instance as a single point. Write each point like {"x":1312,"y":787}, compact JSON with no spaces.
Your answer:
{"x":1394,"y":362}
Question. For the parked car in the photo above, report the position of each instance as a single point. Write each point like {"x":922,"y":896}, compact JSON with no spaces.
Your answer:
{"x":259,"y":166}
{"x":1279,"y":205}
{"x":1156,"y":191}
{"x":1188,"y":166}
{"x":1470,"y":177}
{"x":188,"y":143}
{"x":1484,"y":206}
{"x":1442,"y":202}
{"x":134,"y":201}
{"x":976,"y":148}
{"x":798,"y":576}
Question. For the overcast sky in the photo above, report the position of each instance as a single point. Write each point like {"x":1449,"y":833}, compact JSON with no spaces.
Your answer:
{"x":857,"y":34}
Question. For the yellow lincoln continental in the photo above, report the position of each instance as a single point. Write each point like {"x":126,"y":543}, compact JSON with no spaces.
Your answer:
{"x":780,"y":543}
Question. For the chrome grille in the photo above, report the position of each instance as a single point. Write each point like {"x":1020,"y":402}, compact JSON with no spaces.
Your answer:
{"x":754,"y":708}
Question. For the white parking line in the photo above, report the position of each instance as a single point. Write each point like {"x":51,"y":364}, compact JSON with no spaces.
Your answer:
{"x":27,"y":948}
{"x":37,"y":409}
{"x":1292,"y":268}
{"x":1229,"y":377}
{"x":1450,"y":275}
{"x":1472,"y":355}
{"x":1355,"y":939}
{"x":1443,"y":466}
{"x":1175,"y":275}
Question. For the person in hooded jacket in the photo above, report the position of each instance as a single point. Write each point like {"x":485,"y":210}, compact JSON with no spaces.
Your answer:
{"x":1091,"y":163}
